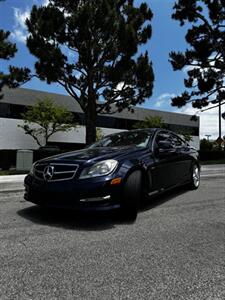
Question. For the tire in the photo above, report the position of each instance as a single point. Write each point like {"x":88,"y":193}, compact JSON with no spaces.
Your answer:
{"x":131,"y":197}
{"x":195,"y":177}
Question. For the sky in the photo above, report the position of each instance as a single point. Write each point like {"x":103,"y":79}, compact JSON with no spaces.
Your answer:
{"x":167,"y":36}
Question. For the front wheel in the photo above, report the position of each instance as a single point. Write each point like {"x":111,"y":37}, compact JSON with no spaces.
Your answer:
{"x":195,"y":177}
{"x":131,"y":196}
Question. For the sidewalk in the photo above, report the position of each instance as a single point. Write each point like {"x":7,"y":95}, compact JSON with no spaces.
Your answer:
{"x":12,"y":178}
{"x":11,"y":183}
{"x":208,"y":171}
{"x":213,"y":167}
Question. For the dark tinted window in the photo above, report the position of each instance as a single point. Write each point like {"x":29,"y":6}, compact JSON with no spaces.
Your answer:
{"x":129,"y":138}
{"x":14,"y":111}
{"x":183,"y":129}
{"x":175,"y":140}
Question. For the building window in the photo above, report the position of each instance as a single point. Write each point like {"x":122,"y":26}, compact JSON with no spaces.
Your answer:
{"x":15,"y":111}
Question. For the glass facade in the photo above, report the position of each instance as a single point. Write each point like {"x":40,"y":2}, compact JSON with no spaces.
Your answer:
{"x":14,"y":111}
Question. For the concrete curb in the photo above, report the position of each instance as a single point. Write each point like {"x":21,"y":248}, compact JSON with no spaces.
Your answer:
{"x":12,"y":183}
{"x":12,"y":178}
{"x":11,"y":191}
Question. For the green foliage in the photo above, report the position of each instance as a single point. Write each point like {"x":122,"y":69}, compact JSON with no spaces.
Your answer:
{"x":7,"y":49}
{"x":205,"y":145}
{"x":90,"y":48}
{"x":150,"y":122}
{"x":16,"y":76}
{"x":99,"y":134}
{"x":50,"y":117}
{"x":187,"y":136}
{"x":205,"y":58}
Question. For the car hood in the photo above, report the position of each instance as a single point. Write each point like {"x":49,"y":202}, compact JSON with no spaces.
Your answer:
{"x":94,"y":154}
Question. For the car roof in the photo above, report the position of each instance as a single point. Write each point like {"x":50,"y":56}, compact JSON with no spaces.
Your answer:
{"x":133,"y":130}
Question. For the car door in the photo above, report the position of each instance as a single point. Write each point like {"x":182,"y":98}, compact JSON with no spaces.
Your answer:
{"x":184,"y":159}
{"x":164,"y":171}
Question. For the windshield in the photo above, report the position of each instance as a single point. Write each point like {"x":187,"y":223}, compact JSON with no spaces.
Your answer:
{"x":129,"y":138}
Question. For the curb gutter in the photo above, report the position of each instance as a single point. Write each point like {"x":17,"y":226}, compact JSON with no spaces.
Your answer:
{"x":12,"y":190}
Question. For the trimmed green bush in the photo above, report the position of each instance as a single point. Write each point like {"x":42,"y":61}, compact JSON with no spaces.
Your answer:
{"x":211,"y":155}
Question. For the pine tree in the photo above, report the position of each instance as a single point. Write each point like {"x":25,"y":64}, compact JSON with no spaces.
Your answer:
{"x":91,"y":49}
{"x":205,"y":58}
{"x":16,"y":76}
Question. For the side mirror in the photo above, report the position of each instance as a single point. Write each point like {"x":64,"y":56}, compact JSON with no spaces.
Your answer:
{"x":166,"y":147}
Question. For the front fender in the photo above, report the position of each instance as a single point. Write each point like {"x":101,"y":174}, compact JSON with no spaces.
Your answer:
{"x":129,"y":166}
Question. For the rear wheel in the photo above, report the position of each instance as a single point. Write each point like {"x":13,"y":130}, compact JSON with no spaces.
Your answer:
{"x":131,"y":197}
{"x":195,"y":177}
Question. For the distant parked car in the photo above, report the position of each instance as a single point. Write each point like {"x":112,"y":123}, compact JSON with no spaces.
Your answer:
{"x":115,"y":172}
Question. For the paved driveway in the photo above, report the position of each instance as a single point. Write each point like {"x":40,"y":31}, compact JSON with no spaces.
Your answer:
{"x":175,"y":250}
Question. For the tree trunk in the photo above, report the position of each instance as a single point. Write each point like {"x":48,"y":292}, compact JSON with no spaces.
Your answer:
{"x":91,"y":117}
{"x":91,"y":110}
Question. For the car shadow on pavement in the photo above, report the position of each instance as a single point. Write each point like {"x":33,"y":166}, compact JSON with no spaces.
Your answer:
{"x":89,"y":221}
{"x":160,"y":199}
{"x":69,"y":219}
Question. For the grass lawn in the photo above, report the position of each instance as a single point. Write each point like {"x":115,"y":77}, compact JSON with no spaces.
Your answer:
{"x":12,"y":172}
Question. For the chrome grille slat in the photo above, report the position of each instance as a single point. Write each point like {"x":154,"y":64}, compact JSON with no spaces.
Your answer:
{"x":65,"y":172}
{"x":61,"y":171}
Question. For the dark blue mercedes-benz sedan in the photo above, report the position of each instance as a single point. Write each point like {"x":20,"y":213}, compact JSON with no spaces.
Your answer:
{"x":116,"y":172}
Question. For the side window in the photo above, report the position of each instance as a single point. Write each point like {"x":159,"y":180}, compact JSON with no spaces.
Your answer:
{"x":162,"y":136}
{"x":178,"y":142}
{"x":175,"y":140}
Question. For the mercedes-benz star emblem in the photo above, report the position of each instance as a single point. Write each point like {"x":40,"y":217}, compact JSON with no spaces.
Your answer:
{"x":48,"y":173}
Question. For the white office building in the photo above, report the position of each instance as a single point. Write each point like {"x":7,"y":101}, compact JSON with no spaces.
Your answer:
{"x":16,"y":101}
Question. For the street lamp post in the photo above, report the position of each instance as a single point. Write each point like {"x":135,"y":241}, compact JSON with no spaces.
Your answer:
{"x":208,"y":136}
{"x":220,"y":125}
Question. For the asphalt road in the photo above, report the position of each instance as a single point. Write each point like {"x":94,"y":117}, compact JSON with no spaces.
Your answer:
{"x":175,"y":249}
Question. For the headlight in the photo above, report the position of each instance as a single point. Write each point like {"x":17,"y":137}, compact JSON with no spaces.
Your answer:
{"x":101,"y":168}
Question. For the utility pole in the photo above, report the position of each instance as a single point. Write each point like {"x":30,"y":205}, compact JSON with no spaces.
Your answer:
{"x":220,"y":128}
{"x":208,"y":136}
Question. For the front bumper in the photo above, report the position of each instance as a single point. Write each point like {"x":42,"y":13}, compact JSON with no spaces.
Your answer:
{"x":89,"y":194}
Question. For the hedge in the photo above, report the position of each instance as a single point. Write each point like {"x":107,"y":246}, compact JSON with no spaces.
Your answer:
{"x":205,"y":155}
{"x":7,"y":159}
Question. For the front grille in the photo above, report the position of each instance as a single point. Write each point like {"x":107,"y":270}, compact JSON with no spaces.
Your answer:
{"x":59,"y":171}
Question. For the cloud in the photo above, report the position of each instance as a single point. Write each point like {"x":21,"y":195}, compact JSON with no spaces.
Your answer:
{"x":209,"y":121}
{"x":120,"y":86}
{"x":45,"y":2}
{"x":188,"y":68}
{"x":19,"y":36}
{"x":20,"y":32}
{"x":164,"y":99}
{"x":21,"y":16}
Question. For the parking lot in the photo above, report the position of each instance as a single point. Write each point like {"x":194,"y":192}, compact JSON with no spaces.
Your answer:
{"x":175,"y":249}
